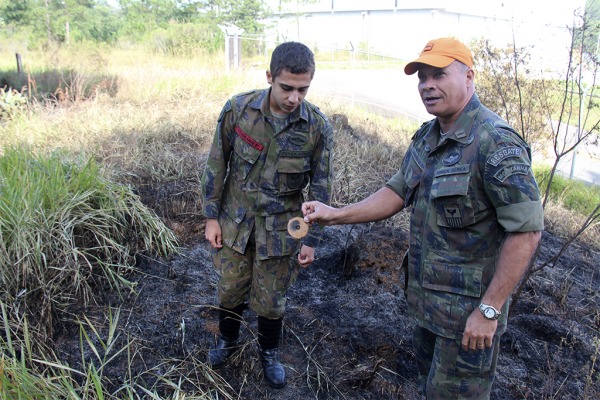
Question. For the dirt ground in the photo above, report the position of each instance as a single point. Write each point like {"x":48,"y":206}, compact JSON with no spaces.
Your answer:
{"x":346,"y":329}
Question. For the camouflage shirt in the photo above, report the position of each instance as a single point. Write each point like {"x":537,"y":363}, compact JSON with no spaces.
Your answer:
{"x":466,"y":190}
{"x":255,"y":174}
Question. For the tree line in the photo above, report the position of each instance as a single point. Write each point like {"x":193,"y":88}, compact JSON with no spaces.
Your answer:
{"x":105,"y":21}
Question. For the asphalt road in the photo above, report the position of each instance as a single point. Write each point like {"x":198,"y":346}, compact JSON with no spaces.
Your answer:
{"x":391,"y":92}
{"x":385,"y":90}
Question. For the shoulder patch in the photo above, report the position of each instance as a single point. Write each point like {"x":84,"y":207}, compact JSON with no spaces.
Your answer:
{"x":502,"y":154}
{"x":513,"y":169}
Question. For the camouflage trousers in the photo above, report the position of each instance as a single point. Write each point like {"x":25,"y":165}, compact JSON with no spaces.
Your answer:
{"x":448,"y":372}
{"x":263,"y":284}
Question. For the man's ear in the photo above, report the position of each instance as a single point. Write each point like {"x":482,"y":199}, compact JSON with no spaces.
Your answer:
{"x":269,"y":78}
{"x":470,"y":76}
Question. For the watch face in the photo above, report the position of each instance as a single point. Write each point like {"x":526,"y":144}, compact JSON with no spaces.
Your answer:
{"x":489,"y":313}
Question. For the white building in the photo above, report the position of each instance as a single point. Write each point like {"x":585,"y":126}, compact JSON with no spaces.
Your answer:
{"x":400,"y":28}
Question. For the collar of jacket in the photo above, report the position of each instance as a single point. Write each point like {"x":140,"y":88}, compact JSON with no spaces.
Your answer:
{"x":261,"y":102}
{"x":461,"y":132}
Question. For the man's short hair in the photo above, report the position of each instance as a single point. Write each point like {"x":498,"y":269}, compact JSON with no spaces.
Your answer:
{"x":294,"y":57}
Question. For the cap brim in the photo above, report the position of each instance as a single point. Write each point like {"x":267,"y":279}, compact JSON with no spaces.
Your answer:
{"x":435,"y":60}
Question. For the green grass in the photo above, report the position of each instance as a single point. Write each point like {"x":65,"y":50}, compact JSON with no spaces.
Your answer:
{"x":64,"y":226}
{"x":573,"y":195}
{"x":590,"y":112}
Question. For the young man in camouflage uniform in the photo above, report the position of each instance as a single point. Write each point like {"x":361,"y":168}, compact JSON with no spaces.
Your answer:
{"x":476,"y":219}
{"x":269,"y":145}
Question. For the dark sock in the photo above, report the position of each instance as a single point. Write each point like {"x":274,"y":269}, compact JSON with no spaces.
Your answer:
{"x":230,"y":320}
{"x":269,"y":332}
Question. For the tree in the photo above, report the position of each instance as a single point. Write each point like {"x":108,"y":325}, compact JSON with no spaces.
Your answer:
{"x":61,"y":20}
{"x":501,"y":86}
{"x":143,"y":16}
{"x":566,"y":108}
{"x":245,"y":14}
{"x":19,"y":13}
{"x":591,"y":38}
{"x":76,"y":20}
{"x":103,"y":24}
{"x":84,"y":20}
{"x":189,"y":10}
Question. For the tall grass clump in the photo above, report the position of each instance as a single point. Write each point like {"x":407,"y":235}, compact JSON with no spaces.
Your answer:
{"x":65,"y":231}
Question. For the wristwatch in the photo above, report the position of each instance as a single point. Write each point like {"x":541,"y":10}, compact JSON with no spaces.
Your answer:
{"x":489,"y":312}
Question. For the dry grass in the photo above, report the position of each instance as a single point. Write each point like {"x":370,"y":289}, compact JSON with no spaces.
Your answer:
{"x":565,"y":223}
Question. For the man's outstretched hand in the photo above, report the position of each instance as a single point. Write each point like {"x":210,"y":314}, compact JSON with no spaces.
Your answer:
{"x":317,"y":212}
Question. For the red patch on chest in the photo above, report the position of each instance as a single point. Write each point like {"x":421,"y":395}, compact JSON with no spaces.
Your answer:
{"x":246,"y":138}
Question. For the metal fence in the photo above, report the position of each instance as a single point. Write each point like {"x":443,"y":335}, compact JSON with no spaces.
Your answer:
{"x":253,"y":47}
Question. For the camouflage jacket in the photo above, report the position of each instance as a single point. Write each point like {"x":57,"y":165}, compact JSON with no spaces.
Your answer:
{"x":466,"y":190}
{"x":254,"y":176}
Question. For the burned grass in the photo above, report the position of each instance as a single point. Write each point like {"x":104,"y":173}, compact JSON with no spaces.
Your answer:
{"x":347,"y":334}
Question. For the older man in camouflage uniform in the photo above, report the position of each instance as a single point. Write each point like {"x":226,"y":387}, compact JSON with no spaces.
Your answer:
{"x":476,"y":219}
{"x":268,"y":146}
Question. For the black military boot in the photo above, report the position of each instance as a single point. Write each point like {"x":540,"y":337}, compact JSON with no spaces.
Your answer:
{"x":269,"y":335}
{"x":229,"y":329}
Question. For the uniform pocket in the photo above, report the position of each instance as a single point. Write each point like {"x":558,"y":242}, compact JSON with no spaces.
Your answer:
{"x":279,"y":241}
{"x":453,"y":203}
{"x":462,"y":279}
{"x":230,"y":225}
{"x":291,"y":172}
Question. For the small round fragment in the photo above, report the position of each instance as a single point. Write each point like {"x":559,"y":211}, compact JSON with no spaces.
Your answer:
{"x":297,"y":228}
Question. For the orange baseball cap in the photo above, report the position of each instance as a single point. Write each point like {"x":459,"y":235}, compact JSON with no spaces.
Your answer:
{"x":440,"y":53}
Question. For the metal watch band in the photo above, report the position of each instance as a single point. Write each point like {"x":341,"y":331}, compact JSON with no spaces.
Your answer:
{"x":483,"y":307}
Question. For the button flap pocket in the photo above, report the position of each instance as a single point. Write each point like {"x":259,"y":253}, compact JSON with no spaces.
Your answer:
{"x":455,"y":185}
{"x":292,"y":165}
{"x":452,"y":278}
{"x":246,"y":151}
